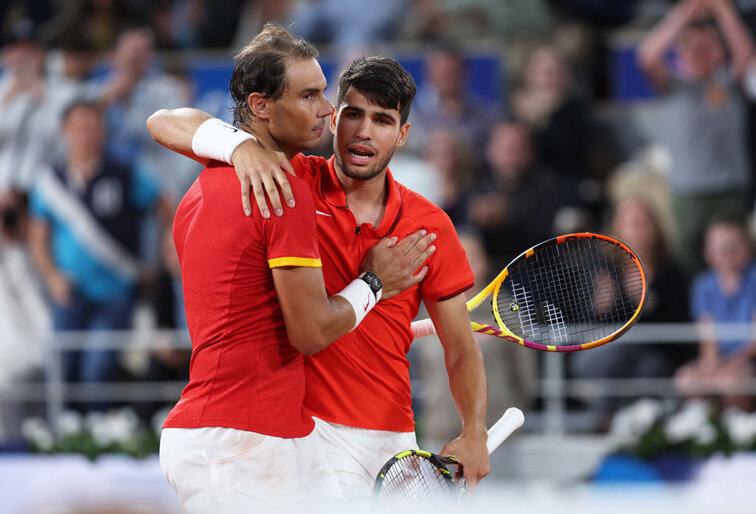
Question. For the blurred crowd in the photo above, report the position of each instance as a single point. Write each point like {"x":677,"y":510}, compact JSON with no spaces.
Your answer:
{"x":86,"y":196}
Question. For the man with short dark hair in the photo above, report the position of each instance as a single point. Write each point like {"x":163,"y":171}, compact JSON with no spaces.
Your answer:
{"x":240,"y":438}
{"x":358,"y":388}
{"x":84,"y":240}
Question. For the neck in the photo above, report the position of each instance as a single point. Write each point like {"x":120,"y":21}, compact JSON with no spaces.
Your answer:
{"x":730,"y":281}
{"x":365,"y":198}
{"x":260,"y":130}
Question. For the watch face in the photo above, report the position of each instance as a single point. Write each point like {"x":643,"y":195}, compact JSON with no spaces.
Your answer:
{"x":373,"y":281}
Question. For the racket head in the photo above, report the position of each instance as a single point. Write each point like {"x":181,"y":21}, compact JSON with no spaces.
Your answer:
{"x":416,"y":476}
{"x":569,"y":293}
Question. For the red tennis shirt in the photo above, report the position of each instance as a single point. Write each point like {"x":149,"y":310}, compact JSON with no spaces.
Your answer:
{"x":244,"y":373}
{"x":362,"y":379}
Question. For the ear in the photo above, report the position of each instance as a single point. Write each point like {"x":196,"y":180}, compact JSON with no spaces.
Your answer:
{"x":334,"y":119}
{"x":259,"y":105}
{"x":403,"y":133}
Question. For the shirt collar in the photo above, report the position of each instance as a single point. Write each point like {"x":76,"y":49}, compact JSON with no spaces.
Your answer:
{"x":333,"y":192}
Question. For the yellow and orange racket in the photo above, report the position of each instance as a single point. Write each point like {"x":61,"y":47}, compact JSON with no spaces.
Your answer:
{"x":569,"y":293}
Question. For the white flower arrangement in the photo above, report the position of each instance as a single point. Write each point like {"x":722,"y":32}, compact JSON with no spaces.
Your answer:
{"x":696,"y":429}
{"x":115,"y":431}
{"x":691,"y":423}
{"x":633,"y":421}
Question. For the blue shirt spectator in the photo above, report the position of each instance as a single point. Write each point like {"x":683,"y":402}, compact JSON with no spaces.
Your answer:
{"x":115,"y":199}
{"x":708,"y":300}
{"x":85,"y":236}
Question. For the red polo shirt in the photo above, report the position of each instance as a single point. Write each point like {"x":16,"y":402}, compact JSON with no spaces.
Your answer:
{"x":244,"y":373}
{"x":362,"y":379}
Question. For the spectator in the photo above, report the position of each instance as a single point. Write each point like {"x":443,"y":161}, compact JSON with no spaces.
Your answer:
{"x":516,"y":206}
{"x":444,"y":100}
{"x":453,"y":163}
{"x":254,"y":15}
{"x":346,"y":23}
{"x":725,"y":293}
{"x":132,"y":91}
{"x":190,"y":24}
{"x":69,"y":78}
{"x":703,"y":120}
{"x":21,"y":93}
{"x":476,"y":19}
{"x":565,"y":135}
{"x":635,"y":222}
{"x":84,"y":240}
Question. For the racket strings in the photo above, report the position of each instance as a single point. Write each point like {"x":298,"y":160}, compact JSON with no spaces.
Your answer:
{"x":575,"y":292}
{"x":415,"y":478}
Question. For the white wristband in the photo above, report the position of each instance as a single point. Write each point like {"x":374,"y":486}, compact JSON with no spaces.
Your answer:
{"x":360,"y":297}
{"x":216,"y":139}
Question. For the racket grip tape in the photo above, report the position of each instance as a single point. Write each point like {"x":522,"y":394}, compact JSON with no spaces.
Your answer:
{"x":512,"y":419}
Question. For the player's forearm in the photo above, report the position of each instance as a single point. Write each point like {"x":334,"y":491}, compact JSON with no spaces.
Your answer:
{"x":464,"y":363}
{"x":329,"y":321}
{"x":175,"y":128}
{"x":314,"y":320}
{"x":467,"y":381}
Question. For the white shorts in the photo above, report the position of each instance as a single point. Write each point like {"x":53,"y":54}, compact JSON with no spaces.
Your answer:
{"x":357,"y":454}
{"x":227,"y":470}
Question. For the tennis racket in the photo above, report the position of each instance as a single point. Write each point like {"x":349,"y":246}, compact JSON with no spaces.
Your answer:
{"x":419,"y":476}
{"x":569,"y":293}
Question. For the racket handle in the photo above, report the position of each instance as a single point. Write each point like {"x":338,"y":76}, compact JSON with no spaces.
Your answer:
{"x":512,"y":419}
{"x":423,"y":328}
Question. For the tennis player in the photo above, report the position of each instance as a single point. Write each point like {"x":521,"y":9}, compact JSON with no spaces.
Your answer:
{"x":239,"y":439}
{"x":358,"y":388}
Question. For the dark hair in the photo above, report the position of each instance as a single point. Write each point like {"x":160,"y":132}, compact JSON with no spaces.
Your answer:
{"x":382,"y":80}
{"x":261,"y":67}
{"x":76,"y":41}
{"x":733,"y":217}
{"x":707,"y":24}
{"x":80,"y":103}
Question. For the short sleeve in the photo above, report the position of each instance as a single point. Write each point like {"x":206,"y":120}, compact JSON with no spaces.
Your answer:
{"x":449,"y":273}
{"x":145,"y":189}
{"x":292,"y":239}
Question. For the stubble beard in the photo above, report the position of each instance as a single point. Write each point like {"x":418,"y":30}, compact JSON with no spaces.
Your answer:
{"x":363,"y":173}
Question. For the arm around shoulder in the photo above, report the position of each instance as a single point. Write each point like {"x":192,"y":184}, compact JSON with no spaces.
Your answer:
{"x":175,"y":128}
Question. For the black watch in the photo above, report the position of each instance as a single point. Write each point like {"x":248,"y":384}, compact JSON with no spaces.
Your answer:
{"x":374,"y":281}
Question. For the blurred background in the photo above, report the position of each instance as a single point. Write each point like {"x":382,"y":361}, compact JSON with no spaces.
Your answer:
{"x":533,"y":118}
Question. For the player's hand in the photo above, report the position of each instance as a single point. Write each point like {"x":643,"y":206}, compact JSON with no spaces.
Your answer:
{"x":60,"y":289}
{"x":265,"y":171}
{"x":471,"y":452}
{"x":395,"y":262}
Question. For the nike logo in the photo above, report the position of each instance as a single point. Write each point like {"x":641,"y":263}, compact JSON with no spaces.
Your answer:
{"x":367,"y":304}
{"x":324,"y":214}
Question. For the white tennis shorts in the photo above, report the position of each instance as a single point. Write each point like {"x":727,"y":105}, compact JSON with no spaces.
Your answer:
{"x":234,"y":471}
{"x":357,"y":455}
